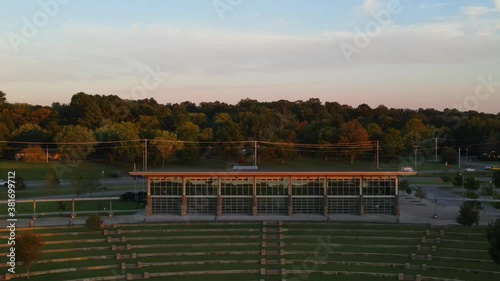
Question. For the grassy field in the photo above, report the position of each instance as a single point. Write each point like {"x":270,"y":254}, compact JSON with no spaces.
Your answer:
{"x":64,"y":170}
{"x":85,"y":206}
{"x":68,"y":170}
{"x":313,"y":250}
{"x":63,"y":190}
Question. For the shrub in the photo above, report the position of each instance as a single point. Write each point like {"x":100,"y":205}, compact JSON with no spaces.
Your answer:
{"x":409,"y":190}
{"x":93,"y":222}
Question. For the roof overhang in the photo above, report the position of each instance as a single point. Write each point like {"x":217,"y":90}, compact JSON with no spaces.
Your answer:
{"x":272,"y":173}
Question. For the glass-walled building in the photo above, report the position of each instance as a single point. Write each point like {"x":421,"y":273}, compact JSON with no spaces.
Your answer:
{"x":256,"y":193}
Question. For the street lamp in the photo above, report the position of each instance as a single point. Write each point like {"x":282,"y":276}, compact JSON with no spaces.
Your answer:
{"x":102,"y":179}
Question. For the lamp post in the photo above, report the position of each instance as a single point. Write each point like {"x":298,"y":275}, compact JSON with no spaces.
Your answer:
{"x":102,"y":179}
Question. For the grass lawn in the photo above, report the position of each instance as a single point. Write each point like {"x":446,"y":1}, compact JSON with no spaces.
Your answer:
{"x":62,"y":190}
{"x":452,"y":256}
{"x":64,"y":170}
{"x":53,"y":207}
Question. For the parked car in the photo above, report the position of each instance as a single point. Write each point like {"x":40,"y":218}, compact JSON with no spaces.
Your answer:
{"x":470,"y":169}
{"x":407,"y":169}
{"x":4,"y":183}
{"x":488,"y":167}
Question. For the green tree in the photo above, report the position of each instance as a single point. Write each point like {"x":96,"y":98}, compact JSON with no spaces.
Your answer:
{"x":78,"y":185}
{"x":468,"y":215}
{"x":189,"y":132}
{"x":75,"y":142}
{"x":415,"y":131}
{"x":421,"y":194}
{"x":93,"y":222}
{"x":493,"y":236}
{"x":496,"y":178}
{"x":126,"y":135}
{"x":392,"y":143}
{"x":471,"y":183}
{"x":227,"y":132}
{"x":166,"y":144}
{"x":20,"y":184}
{"x":29,"y":132}
{"x":3,"y":98}
{"x":28,"y":249}
{"x":457,"y":180}
{"x":448,"y":155}
{"x":404,"y":185}
{"x":355,"y":137}
{"x":85,"y":110}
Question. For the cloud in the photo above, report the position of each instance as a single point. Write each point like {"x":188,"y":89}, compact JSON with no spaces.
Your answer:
{"x":370,"y":6}
{"x":433,"y":6}
{"x":497,"y":4}
{"x":475,"y":10}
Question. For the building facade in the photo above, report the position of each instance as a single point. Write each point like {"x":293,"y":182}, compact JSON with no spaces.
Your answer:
{"x":256,"y":193}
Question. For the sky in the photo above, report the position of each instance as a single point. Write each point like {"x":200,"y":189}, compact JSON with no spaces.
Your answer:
{"x":400,"y":53}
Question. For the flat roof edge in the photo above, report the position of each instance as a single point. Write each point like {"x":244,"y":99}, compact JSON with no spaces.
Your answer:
{"x":275,"y":173}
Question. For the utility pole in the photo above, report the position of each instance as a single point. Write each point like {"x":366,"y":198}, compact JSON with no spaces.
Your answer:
{"x":436,"y":140}
{"x":145,"y":155}
{"x":416,"y":152}
{"x":47,"y":150}
{"x":255,"y":153}
{"x":459,"y":158}
{"x":378,"y":149}
{"x":466,"y":154}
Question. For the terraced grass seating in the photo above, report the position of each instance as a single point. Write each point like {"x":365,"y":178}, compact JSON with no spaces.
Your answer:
{"x":267,"y":251}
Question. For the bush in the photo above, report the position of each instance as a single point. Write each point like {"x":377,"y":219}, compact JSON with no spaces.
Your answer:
{"x":20,"y":185}
{"x":52,"y":179}
{"x":471,"y":183}
{"x":409,"y":190}
{"x":93,"y":222}
{"x":471,"y":194}
{"x":132,"y":196}
{"x":446,"y":178}
{"x":457,"y":180}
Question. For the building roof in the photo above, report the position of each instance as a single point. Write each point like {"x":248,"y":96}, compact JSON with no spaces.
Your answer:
{"x":245,"y":173}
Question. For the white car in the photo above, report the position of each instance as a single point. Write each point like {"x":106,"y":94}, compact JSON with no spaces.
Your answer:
{"x":487,"y":167}
{"x":470,"y":169}
{"x":4,"y":183}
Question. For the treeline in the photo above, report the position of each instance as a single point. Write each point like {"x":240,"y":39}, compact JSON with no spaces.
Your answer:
{"x":219,"y":130}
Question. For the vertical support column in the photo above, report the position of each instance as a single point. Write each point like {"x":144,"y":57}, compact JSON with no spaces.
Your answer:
{"x":325,"y":199}
{"x":34,"y":208}
{"x":73,"y":208}
{"x":290,"y":201}
{"x":361,"y":203}
{"x":184,"y":198}
{"x":149,"y":200}
{"x":219,"y":197}
{"x":254,"y":201}
{"x":396,"y":197}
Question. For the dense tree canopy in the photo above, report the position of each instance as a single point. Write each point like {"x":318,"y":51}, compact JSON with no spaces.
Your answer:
{"x":215,"y":124}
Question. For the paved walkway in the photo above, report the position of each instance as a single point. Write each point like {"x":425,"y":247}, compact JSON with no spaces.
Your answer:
{"x":412,"y":211}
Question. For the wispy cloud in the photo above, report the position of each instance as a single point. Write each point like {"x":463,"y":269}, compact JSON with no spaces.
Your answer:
{"x":433,"y":6}
{"x":475,"y":10}
{"x":497,"y":5}
{"x":370,"y":6}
